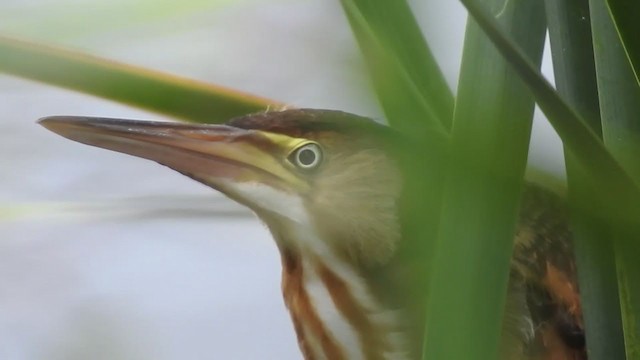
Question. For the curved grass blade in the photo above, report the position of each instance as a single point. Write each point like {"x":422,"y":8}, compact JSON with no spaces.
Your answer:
{"x":575,"y":77}
{"x":410,"y":86}
{"x":490,"y":137}
{"x":625,"y":14}
{"x":151,"y":90}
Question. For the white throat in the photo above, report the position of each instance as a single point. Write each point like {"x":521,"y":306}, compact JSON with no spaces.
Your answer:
{"x":302,"y":236}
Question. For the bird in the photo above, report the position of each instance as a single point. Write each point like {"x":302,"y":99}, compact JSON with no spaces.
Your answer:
{"x":329,"y":186}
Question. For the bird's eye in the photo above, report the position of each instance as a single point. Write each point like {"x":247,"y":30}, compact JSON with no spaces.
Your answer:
{"x":307,"y":157}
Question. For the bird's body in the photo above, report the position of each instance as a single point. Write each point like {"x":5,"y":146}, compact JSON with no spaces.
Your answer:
{"x":328,"y":185}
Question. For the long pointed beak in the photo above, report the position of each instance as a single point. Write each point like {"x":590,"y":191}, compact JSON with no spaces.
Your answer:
{"x":208,"y":153}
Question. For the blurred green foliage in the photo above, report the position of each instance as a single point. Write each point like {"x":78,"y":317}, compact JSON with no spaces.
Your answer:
{"x":70,"y":19}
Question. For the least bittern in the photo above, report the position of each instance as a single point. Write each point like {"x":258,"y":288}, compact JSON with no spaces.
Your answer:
{"x":328,"y":186}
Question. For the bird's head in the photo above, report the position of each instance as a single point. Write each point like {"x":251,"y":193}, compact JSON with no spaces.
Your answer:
{"x":333,"y":172}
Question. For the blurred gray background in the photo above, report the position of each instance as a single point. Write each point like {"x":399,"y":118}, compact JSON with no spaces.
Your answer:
{"x":105,"y":256}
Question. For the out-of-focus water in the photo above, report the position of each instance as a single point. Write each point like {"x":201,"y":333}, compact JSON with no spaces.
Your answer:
{"x":105,"y":256}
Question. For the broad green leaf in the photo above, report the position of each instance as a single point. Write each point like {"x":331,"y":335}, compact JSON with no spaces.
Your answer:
{"x":574,"y":70}
{"x":409,"y":84}
{"x":151,"y":90}
{"x":620,"y":113}
{"x":625,"y":14}
{"x":490,"y":137}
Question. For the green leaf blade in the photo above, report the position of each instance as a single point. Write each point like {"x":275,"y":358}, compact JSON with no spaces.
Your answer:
{"x":162,"y":93}
{"x":620,"y":112}
{"x":578,"y":138}
{"x":491,"y":130}
{"x":622,"y":204}
{"x":410,"y":86}
{"x":574,"y":70}
{"x":417,"y":101}
{"x":625,"y":14}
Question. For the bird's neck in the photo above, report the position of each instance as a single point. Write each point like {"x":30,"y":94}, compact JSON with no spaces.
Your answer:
{"x":335,"y":313}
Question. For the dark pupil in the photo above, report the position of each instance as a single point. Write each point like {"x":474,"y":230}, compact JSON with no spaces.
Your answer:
{"x":307,"y":157}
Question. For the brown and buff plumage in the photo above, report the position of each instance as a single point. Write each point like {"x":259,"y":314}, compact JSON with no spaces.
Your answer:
{"x":543,"y":317}
{"x":341,"y":233}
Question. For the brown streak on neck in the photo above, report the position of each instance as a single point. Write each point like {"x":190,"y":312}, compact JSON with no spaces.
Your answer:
{"x":302,"y":312}
{"x":371,"y":343}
